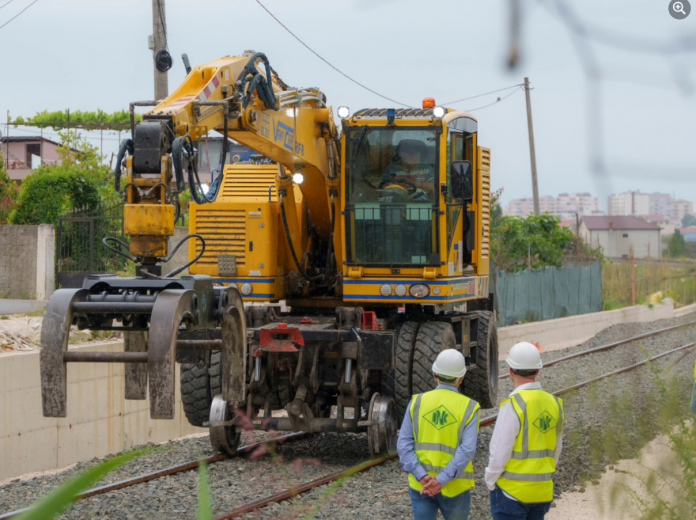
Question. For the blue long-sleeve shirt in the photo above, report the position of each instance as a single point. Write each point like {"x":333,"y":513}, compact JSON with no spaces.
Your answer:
{"x":406,"y":447}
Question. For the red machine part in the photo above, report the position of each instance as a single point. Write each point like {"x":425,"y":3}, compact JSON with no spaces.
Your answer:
{"x":370,"y":321}
{"x":280,"y":339}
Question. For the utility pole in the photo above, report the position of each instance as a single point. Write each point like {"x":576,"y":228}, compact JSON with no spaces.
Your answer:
{"x":532,"y":152}
{"x":160,"y":54}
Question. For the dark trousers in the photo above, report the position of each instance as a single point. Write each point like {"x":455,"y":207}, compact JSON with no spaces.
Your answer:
{"x":504,"y":508}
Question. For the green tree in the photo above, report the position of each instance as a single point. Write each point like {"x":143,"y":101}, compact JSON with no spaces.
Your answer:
{"x":532,"y":242}
{"x":78,"y":118}
{"x":677,"y":245}
{"x":689,"y":220}
{"x":80,"y":180}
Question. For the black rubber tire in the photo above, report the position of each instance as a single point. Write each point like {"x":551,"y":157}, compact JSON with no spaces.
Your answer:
{"x":199,"y":386}
{"x":481,"y":380}
{"x":433,"y":337}
{"x":396,"y":383}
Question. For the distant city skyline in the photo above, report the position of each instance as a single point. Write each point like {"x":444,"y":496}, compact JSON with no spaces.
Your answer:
{"x":660,"y":208}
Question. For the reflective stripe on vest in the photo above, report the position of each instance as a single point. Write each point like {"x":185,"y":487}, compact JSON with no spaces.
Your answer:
{"x":528,"y":476}
{"x":433,"y":415}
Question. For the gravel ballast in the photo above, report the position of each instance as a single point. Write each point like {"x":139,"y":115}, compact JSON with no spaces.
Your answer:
{"x":605,"y":421}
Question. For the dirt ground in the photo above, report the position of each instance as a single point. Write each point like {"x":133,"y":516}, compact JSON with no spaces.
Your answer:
{"x":20,"y":332}
{"x":609,"y":500}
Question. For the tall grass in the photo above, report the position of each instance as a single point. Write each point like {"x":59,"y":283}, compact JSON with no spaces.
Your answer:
{"x":668,"y":492}
{"x":672,"y":280}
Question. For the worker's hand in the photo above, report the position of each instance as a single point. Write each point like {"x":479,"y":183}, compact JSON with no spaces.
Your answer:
{"x":426,"y":482}
{"x":432,"y":487}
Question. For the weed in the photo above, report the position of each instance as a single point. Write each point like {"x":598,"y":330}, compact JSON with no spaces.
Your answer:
{"x":4,"y":317}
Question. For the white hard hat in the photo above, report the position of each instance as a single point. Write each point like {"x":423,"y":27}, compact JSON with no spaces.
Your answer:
{"x":524,"y":356}
{"x":450,"y":363}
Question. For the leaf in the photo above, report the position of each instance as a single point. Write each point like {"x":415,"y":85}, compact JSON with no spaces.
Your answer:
{"x":58,"y":500}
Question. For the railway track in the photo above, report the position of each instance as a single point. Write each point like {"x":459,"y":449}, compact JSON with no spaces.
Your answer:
{"x":365,"y":465}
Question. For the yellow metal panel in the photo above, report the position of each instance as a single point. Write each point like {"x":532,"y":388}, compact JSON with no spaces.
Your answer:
{"x":484,"y":213}
{"x":223,"y":227}
{"x":248,"y":181}
{"x":148,"y":219}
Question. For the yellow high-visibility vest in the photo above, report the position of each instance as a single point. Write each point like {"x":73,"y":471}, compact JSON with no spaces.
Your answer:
{"x":528,"y":475}
{"x":439,"y":418}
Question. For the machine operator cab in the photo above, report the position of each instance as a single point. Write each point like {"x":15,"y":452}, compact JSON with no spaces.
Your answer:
{"x":410,"y":187}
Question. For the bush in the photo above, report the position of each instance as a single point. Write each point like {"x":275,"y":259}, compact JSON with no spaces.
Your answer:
{"x":532,"y":242}
{"x":50,"y":192}
{"x":79,"y":181}
{"x":8,"y":193}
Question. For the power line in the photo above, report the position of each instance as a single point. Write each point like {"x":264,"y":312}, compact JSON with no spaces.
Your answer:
{"x":496,"y":101}
{"x":15,"y":16}
{"x":3,"y":5}
{"x":484,"y":94}
{"x":326,"y":61}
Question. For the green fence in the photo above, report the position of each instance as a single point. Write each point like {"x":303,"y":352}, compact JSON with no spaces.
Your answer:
{"x":547,"y":293}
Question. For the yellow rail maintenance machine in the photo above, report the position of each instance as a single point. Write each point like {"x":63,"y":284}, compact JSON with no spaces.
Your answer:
{"x":375,"y":237}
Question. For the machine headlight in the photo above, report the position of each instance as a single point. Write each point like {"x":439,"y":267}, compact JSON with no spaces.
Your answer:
{"x":343,"y":112}
{"x":400,"y":290}
{"x":297,"y":178}
{"x":439,"y":111}
{"x":247,"y":289}
{"x":385,"y":290}
{"x":436,"y":291}
{"x":419,"y":290}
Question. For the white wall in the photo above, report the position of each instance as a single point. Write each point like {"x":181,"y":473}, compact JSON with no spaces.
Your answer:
{"x":614,"y":244}
{"x":100,"y":421}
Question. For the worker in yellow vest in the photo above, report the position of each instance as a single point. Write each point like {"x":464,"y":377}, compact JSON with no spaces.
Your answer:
{"x":526,"y":443}
{"x":437,"y":443}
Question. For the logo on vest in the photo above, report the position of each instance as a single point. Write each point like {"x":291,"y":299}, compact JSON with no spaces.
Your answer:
{"x":440,"y":417}
{"x":545,"y":422}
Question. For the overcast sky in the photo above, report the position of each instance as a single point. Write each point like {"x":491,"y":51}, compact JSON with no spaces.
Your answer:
{"x":81,"y":54}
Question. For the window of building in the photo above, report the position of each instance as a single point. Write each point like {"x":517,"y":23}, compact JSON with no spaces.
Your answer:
{"x":625,"y":235}
{"x":32,"y":149}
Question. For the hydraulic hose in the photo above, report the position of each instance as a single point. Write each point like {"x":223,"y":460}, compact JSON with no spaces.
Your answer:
{"x":184,"y":146}
{"x":331,"y":236}
{"x":126,"y":146}
{"x":313,"y":279}
{"x":262,"y":86}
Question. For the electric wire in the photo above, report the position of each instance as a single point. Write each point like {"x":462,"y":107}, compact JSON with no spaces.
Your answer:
{"x":496,"y":101}
{"x":3,"y":5}
{"x":481,"y":95}
{"x":327,"y":62}
{"x":19,"y":13}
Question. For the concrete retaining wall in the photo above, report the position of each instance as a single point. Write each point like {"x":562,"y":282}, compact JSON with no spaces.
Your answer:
{"x":27,"y":262}
{"x":567,"y":332}
{"x":99,"y":422}
{"x":683,"y":311}
{"x":181,"y":256}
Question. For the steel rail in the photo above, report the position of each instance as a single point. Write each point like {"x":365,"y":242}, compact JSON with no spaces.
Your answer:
{"x":173,"y":470}
{"x":292,"y":492}
{"x":491,"y":418}
{"x":610,"y":346}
